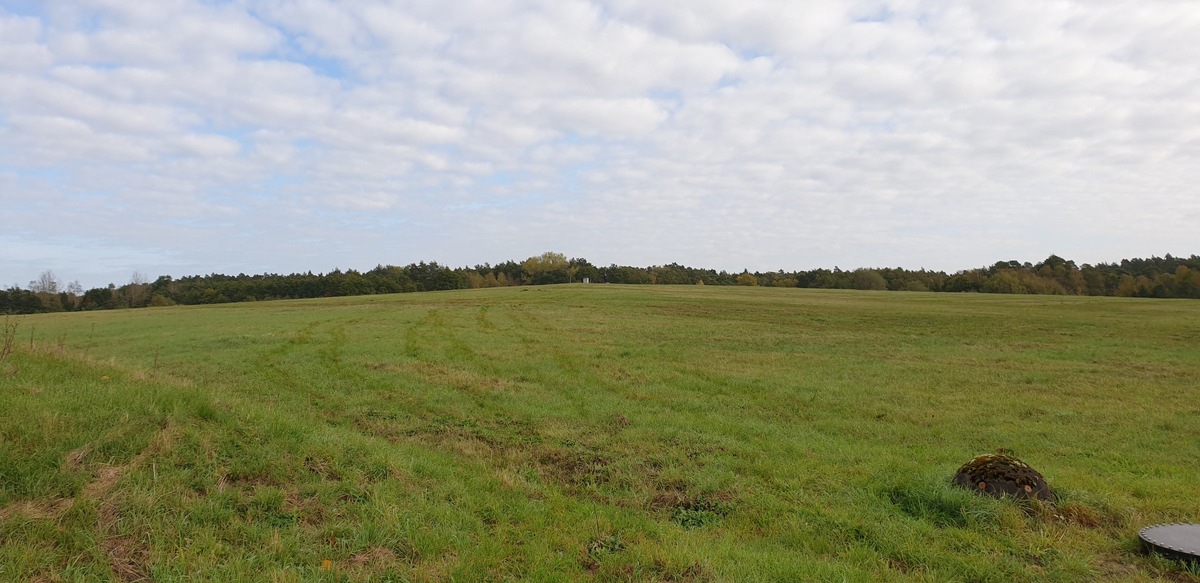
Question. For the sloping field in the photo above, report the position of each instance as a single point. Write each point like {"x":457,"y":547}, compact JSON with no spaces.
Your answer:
{"x":597,"y":432}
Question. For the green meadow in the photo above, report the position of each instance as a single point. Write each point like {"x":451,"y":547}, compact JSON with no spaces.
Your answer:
{"x":607,"y":433}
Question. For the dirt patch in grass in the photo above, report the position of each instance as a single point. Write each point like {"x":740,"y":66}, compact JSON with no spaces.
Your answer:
{"x":594,"y":566}
{"x":127,"y":558}
{"x":373,"y":559}
{"x":463,"y":380}
{"x":106,"y":478}
{"x":692,"y":573}
{"x":517,"y":442}
{"x":253,"y":479}
{"x":74,"y":459}
{"x":1115,"y":570}
{"x":369,"y":556}
{"x":1086,"y":516}
{"x":899,"y":565}
{"x":437,"y":568}
{"x":309,"y":511}
{"x":481,"y":438}
{"x":1080,"y":515}
{"x":1183,"y":577}
{"x":676,"y":494}
{"x":322,"y":468}
{"x":668,"y":493}
{"x":573,"y":468}
{"x":37,"y":510}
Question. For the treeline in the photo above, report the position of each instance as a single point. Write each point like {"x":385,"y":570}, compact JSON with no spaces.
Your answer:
{"x":1156,"y":277}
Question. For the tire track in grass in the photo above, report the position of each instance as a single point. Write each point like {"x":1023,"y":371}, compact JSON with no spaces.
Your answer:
{"x":432,"y":339}
{"x":457,"y":349}
{"x":486,"y":430}
{"x":507,"y":440}
{"x":483,"y":320}
{"x":565,"y":349}
{"x":412,"y":336}
{"x":309,"y":368}
{"x":519,"y":317}
{"x":127,"y":556}
{"x":327,"y":352}
{"x":272,"y":360}
{"x":437,"y":365}
{"x":331,"y":352}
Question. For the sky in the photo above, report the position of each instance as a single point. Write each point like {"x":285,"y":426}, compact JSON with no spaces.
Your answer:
{"x":181,"y":137}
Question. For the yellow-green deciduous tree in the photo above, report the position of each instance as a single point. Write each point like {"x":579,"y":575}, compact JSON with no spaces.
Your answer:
{"x":549,"y":267}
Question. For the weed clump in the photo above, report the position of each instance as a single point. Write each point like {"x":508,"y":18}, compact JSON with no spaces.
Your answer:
{"x":693,"y":510}
{"x":605,"y":545}
{"x":8,"y":336}
{"x":699,"y":512}
{"x":1000,"y":475}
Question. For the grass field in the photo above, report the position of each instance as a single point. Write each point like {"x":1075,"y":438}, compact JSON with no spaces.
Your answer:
{"x":611,"y":433}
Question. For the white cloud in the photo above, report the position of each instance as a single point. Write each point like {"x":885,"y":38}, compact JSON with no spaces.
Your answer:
{"x":207,"y":146}
{"x":21,"y":48}
{"x":611,"y":118}
{"x":762,"y":134}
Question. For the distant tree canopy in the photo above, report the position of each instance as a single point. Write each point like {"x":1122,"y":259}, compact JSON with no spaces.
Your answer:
{"x":1156,"y":277}
{"x":549,"y":267}
{"x":868,"y":279}
{"x":747,"y":278}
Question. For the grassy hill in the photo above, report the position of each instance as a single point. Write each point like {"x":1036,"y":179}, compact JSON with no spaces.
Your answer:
{"x":651,"y":433}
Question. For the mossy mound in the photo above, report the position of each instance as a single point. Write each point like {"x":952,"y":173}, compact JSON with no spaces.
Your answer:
{"x":1000,"y":475}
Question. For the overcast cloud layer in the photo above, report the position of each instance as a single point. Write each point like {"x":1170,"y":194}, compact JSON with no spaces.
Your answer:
{"x":182,"y":137}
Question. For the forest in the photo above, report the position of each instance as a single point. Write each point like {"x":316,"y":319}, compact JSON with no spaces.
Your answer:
{"x":1156,"y":277}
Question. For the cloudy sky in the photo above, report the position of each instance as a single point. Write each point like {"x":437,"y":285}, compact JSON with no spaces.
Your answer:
{"x":185,"y":136}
